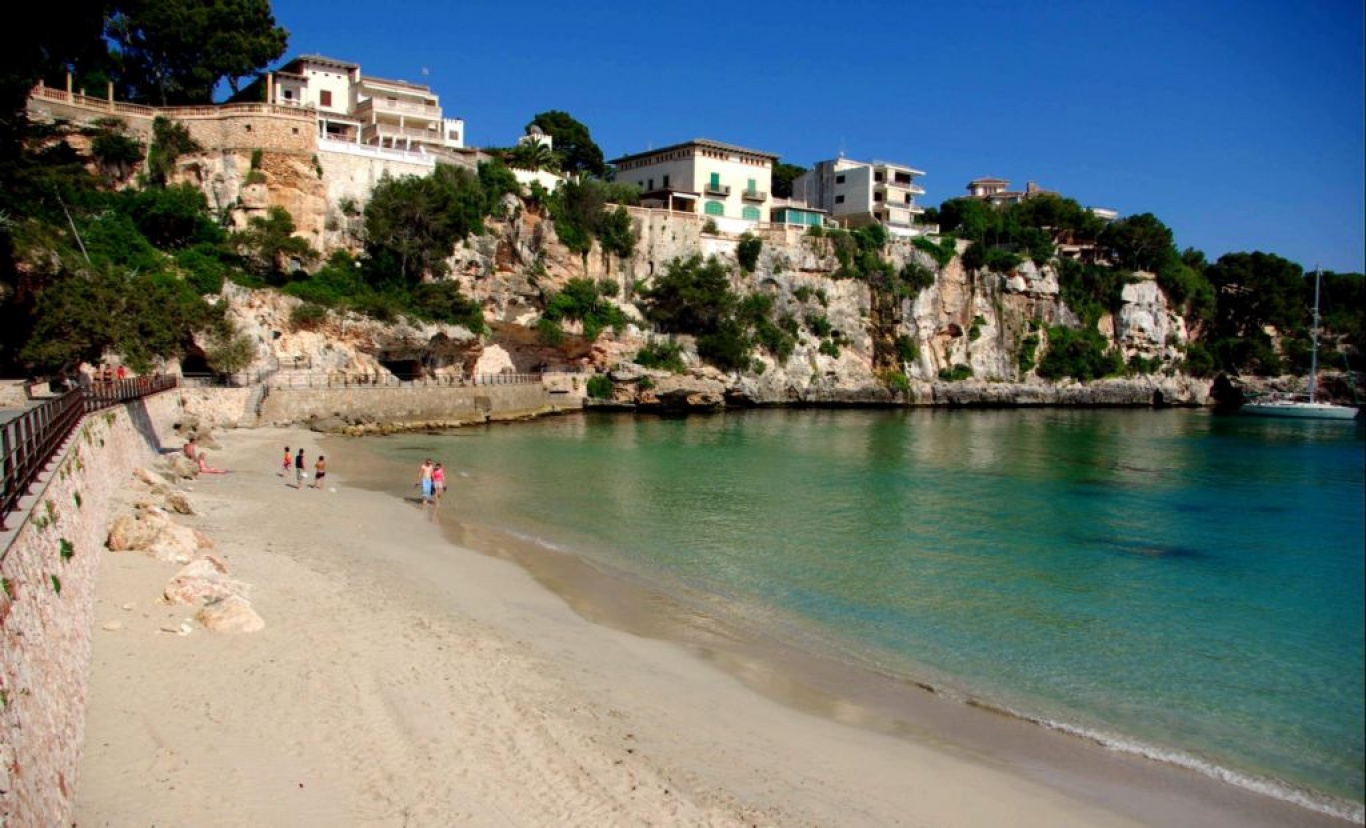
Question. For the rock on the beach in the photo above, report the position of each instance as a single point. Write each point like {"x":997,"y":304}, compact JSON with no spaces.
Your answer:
{"x":180,"y":504}
{"x":201,"y":581}
{"x":182,"y":466}
{"x":230,"y":614}
{"x":151,"y":478}
{"x":153,"y":532}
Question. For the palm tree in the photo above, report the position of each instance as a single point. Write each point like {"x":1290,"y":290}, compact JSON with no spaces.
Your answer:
{"x":534,"y":156}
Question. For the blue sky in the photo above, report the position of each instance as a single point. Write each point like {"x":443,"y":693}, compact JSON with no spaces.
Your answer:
{"x":1239,"y":124}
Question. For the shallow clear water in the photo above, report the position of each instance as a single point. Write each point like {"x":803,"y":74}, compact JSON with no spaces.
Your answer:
{"x":1177,"y":583}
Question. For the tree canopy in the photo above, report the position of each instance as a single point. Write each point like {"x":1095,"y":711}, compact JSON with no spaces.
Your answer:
{"x":178,"y":51}
{"x":573,"y":143}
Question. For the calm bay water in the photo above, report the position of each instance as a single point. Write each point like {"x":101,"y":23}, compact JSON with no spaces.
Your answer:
{"x":1176,"y":583}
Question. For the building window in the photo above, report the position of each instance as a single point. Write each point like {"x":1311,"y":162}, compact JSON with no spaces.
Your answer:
{"x":651,"y":185}
{"x":289,"y":94}
{"x":878,"y":196}
{"x":750,"y":214}
{"x":247,"y":127}
{"x":325,"y":97}
{"x":839,"y":179}
{"x":878,"y":177}
{"x":716,"y":181}
{"x":666,"y":182}
{"x":839,"y":199}
{"x":714,"y":208}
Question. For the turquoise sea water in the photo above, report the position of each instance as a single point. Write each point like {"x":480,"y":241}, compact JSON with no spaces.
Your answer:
{"x":1174,"y":583}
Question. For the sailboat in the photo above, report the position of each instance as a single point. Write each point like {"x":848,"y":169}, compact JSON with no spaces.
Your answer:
{"x":1304,"y":406}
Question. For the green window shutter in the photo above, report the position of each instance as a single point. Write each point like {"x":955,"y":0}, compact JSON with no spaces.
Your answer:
{"x":714,"y":208}
{"x":715,"y":180}
{"x":750,"y":213}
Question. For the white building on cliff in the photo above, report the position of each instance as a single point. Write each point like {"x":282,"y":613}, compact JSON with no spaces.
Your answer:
{"x":858,"y":193}
{"x":369,"y":111}
{"x":733,"y":184}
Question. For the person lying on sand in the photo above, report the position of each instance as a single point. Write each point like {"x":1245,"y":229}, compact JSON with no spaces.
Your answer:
{"x":204,"y":466}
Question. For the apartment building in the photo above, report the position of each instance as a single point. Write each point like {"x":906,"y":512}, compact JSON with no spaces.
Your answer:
{"x":732,"y":183}
{"x":355,"y":108}
{"x":858,"y":193}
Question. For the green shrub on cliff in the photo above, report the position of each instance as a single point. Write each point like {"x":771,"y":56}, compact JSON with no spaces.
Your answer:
{"x":664,"y":355}
{"x":600,"y":387}
{"x":582,"y":300}
{"x":1081,"y":354}
{"x":747,"y":251}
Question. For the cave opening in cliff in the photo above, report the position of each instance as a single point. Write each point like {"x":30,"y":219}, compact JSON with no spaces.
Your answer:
{"x":404,"y":369}
{"x":194,"y":363}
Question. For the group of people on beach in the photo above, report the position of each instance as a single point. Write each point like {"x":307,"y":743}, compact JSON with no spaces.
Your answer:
{"x":300,"y":474}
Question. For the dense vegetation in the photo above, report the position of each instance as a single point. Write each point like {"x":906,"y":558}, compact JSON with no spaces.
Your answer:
{"x":87,"y":267}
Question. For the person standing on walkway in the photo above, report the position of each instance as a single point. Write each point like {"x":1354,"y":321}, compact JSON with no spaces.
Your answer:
{"x":299,"y":470}
{"x":319,"y":472}
{"x":284,"y":470}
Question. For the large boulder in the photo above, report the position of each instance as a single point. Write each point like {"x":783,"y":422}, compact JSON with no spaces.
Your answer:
{"x":153,"y":533}
{"x":202,"y":581}
{"x":230,"y":614}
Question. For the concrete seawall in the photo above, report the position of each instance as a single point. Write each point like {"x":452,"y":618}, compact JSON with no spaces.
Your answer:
{"x":50,"y":561}
{"x":284,"y":406}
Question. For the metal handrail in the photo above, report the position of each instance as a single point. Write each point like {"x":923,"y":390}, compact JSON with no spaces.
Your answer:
{"x":29,"y":441}
{"x":339,"y":379}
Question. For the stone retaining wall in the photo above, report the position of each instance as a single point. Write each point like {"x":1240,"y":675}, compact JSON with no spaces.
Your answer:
{"x":284,"y":406}
{"x":49,"y":564}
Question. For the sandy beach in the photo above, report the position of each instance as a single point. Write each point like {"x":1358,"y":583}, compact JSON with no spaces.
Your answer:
{"x":405,"y":680}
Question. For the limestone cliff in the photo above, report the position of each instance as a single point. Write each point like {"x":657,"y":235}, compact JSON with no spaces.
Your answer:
{"x":977,"y":322}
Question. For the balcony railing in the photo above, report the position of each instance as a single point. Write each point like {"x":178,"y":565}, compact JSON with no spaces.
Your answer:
{"x":905,"y":186}
{"x":402,"y":107}
{"x":754,"y":195}
{"x":716,"y":189}
{"x":387,"y":131}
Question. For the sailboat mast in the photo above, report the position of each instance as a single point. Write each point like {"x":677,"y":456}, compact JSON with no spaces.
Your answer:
{"x":1314,"y":354}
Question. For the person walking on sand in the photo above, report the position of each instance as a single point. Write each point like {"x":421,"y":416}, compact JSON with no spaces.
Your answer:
{"x":424,"y":479}
{"x":319,"y":472}
{"x":284,"y":470}
{"x":299,"y":472}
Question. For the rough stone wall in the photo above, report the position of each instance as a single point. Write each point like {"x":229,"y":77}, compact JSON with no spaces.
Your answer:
{"x":284,"y":406}
{"x":49,"y":567}
{"x":228,"y":127}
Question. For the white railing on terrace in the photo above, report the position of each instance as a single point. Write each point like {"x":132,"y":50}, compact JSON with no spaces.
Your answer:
{"x":401,"y":132}
{"x":371,"y":151}
{"x":383,"y":105}
{"x":174,"y":112}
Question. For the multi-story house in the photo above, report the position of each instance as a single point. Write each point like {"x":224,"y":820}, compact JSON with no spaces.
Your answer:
{"x":733,"y":184}
{"x":365,"y":110}
{"x":858,"y":193}
{"x":997,"y":191}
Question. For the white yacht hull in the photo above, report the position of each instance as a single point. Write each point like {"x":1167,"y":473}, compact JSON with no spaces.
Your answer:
{"x":1301,"y":410}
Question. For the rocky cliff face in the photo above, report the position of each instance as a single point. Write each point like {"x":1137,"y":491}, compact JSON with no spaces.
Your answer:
{"x":236,"y":191}
{"x":976,"y":319}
